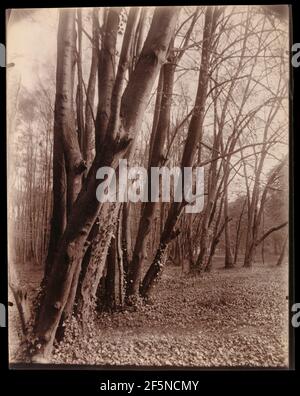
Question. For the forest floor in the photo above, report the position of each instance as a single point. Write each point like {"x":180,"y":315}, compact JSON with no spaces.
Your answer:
{"x":235,"y":317}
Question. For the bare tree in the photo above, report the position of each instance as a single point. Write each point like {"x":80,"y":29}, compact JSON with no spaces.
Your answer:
{"x":86,"y":208}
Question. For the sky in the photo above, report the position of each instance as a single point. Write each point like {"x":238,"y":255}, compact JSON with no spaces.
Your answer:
{"x":31,"y":44}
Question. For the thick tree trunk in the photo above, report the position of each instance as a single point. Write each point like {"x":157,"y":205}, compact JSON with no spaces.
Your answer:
{"x":114,"y":280}
{"x":67,"y":160}
{"x":155,"y":160}
{"x":159,"y":260}
{"x":139,"y":38}
{"x":87,"y":208}
{"x":126,"y":240}
{"x":59,"y":211}
{"x":98,"y":255}
{"x":110,"y":298}
{"x":106,"y":73}
{"x":215,"y":243}
{"x":99,"y":250}
{"x":89,"y":285}
{"x":88,"y":138}
{"x":79,"y":93}
{"x":194,"y":136}
{"x":216,"y":237}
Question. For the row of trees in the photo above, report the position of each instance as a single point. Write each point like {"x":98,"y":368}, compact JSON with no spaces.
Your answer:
{"x":180,"y":86}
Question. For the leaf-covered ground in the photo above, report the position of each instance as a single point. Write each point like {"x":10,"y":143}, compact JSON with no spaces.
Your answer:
{"x":233,"y":317}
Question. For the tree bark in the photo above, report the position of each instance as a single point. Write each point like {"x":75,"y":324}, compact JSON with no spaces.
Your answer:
{"x":155,"y":160}
{"x":282,"y":253}
{"x":238,"y":233}
{"x":88,"y":139}
{"x":67,"y":160}
{"x":228,"y":251}
{"x":96,"y":266}
{"x":79,"y":93}
{"x":106,"y":73}
{"x":194,"y":136}
{"x":87,"y":207}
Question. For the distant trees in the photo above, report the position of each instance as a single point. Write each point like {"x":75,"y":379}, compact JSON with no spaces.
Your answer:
{"x":31,"y":184}
{"x":273,"y":205}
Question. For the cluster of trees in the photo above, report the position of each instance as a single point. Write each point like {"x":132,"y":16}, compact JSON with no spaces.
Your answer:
{"x":176,"y":86}
{"x":31,"y":182}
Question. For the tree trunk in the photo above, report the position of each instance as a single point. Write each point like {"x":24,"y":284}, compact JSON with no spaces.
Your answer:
{"x":238,"y":233}
{"x":256,"y":212}
{"x":96,"y":266}
{"x":228,"y":251}
{"x":114,"y":281}
{"x":87,"y":208}
{"x":194,"y":136}
{"x":106,"y":73}
{"x":79,"y":93}
{"x":282,"y":254}
{"x":155,"y":160}
{"x":88,"y":139}
{"x":114,"y":97}
{"x":67,"y":161}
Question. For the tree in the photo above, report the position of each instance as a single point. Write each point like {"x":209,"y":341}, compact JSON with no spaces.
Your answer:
{"x":68,"y":163}
{"x":161,"y":125}
{"x":117,"y":143}
{"x":194,"y":135}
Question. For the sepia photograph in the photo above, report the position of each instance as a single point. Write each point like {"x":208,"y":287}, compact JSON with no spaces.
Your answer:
{"x":148,"y":186}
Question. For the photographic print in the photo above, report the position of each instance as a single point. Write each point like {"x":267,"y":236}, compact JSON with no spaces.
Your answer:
{"x":148,"y":186}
